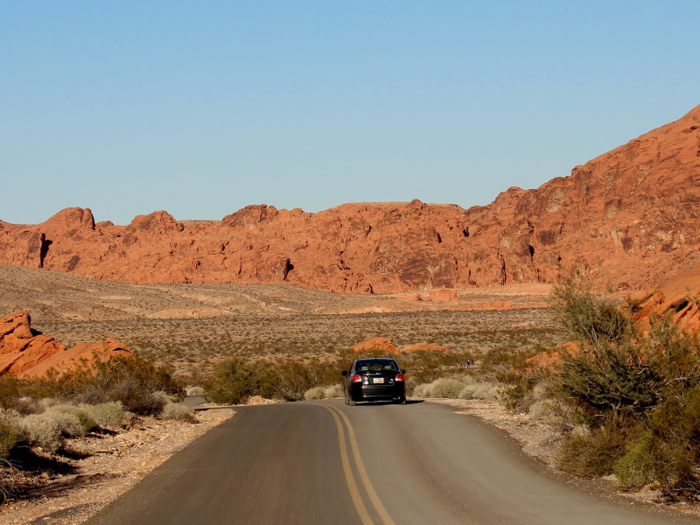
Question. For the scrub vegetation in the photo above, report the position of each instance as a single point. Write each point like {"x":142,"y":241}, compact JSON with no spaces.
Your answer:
{"x":39,"y":415}
{"x":631,"y":397}
{"x":627,"y":400}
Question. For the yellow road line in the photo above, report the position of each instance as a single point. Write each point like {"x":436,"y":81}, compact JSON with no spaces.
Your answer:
{"x":363,"y":473}
{"x":354,"y":492}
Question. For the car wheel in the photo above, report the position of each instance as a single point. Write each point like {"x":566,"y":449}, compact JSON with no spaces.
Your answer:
{"x":347,"y":399}
{"x":402,"y":401}
{"x":352,"y":402}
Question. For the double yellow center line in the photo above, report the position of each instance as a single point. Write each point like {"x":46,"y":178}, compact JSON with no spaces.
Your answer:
{"x":349,"y":476}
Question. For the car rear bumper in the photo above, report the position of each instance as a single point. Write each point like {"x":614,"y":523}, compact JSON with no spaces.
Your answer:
{"x":360,"y":392}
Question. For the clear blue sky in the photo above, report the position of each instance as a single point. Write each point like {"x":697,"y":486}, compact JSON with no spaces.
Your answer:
{"x":200,"y":108}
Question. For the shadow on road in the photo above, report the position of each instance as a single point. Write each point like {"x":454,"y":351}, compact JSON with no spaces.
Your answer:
{"x":380,"y":403}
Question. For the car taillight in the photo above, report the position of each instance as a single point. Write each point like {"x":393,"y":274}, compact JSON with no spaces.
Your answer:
{"x":357,"y":378}
{"x":399,"y":377}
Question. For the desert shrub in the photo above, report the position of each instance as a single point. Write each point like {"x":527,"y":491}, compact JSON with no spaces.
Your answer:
{"x":317,"y":392}
{"x":195,"y":391}
{"x":233,"y":381}
{"x":446,"y":388}
{"x":9,"y":437}
{"x":585,"y":316}
{"x":667,"y":452}
{"x":178,"y":412}
{"x":552,"y":412}
{"x":639,"y":392}
{"x":636,"y":468}
{"x":106,"y":414}
{"x":131,"y":380}
{"x":481,"y":390}
{"x":334,"y":392}
{"x":595,"y":453}
{"x":84,"y":416}
{"x":49,"y":429}
{"x":423,"y":391}
{"x":9,"y":392}
{"x":27,"y":405}
{"x":137,"y":399}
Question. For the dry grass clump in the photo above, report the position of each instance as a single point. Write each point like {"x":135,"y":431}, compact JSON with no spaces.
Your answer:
{"x":480,"y":390}
{"x":9,"y":437}
{"x":195,"y":391}
{"x":84,"y":416}
{"x":467,"y":387}
{"x":48,"y":430}
{"x":178,"y":412}
{"x":106,"y":414}
{"x":324,"y":392}
{"x":440,"y":388}
{"x":446,"y":388}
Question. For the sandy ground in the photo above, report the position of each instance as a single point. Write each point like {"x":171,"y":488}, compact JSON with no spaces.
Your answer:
{"x":102,"y":468}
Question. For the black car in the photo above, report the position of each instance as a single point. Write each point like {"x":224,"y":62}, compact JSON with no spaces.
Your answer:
{"x":374,"y":380}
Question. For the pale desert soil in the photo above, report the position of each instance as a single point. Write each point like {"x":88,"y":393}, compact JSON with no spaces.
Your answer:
{"x":104,"y":467}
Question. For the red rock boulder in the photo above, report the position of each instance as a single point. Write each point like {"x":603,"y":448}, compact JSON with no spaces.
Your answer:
{"x":27,"y":353}
{"x":381,"y":344}
{"x":21,"y":347}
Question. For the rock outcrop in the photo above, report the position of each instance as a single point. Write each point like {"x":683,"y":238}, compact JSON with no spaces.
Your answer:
{"x":425,"y":347}
{"x":75,"y":357}
{"x":379,"y":344}
{"x":678,"y":296}
{"x":25,"y":352}
{"x":626,"y":219}
{"x":22,"y":348}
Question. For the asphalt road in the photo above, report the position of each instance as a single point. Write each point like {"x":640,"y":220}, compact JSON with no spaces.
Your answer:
{"x":327,"y":463}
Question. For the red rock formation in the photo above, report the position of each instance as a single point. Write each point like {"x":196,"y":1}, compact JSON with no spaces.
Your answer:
{"x":424,"y":347}
{"x":627,"y":219}
{"x":441,"y":296}
{"x":381,"y":344}
{"x":75,"y":357}
{"x":27,"y":353}
{"x":21,"y":347}
{"x":678,"y":296}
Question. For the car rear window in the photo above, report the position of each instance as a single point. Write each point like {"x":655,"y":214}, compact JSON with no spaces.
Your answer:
{"x":375,"y":365}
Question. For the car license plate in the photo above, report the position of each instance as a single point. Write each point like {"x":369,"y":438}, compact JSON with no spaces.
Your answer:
{"x":378,"y":380}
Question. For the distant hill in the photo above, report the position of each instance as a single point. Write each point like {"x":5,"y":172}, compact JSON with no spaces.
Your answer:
{"x":628,"y":219}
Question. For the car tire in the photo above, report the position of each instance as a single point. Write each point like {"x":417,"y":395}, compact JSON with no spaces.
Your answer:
{"x":402,"y":401}
{"x":352,"y":402}
{"x":347,"y":399}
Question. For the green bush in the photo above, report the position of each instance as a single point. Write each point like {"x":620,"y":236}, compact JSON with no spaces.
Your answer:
{"x":639,"y":392}
{"x":233,"y":381}
{"x":594,"y":453}
{"x":585,"y":316}
{"x":9,"y":437}
{"x":132,"y":380}
{"x":135,"y":398}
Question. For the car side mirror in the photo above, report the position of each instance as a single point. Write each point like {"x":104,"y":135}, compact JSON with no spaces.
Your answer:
{"x":344,"y":373}
{"x":402,"y":371}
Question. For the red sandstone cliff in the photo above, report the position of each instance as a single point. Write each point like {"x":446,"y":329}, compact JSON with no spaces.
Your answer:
{"x":628,"y":218}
